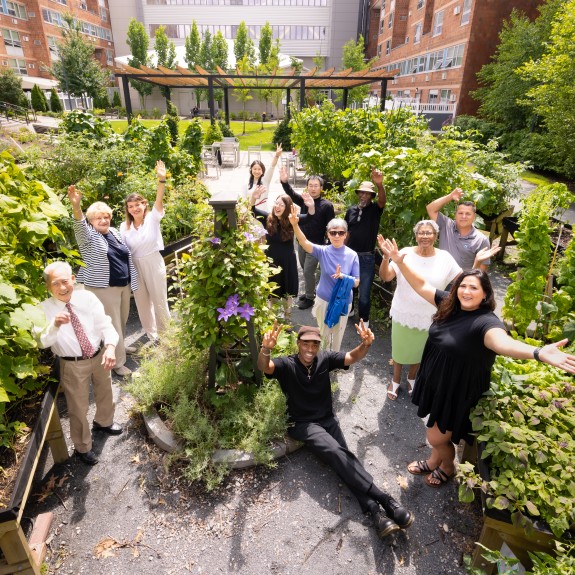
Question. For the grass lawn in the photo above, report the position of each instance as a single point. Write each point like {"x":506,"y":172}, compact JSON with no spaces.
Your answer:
{"x":254,"y":135}
{"x":534,"y":178}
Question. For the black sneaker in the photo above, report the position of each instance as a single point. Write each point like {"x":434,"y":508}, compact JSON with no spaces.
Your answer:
{"x":384,"y":525}
{"x":397,"y":512}
{"x":305,"y":304}
{"x":301,"y":297}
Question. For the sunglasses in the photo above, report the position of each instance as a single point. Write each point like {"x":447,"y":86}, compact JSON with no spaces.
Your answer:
{"x":336,"y":233}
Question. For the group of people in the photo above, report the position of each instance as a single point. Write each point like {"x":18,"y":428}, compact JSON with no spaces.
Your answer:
{"x":443,"y":328}
{"x":449,"y":339}
{"x":86,"y":327}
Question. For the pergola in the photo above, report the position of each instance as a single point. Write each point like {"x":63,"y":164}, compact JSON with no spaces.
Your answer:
{"x":279,"y":80}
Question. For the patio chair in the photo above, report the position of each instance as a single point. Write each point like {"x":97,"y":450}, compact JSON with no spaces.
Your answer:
{"x":229,"y":152}
{"x":256,"y":152}
{"x":209,"y":160}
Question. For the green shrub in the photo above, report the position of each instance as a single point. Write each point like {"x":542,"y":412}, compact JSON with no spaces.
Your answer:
{"x":282,"y":134}
{"x":233,"y":116}
{"x":213,"y":134}
{"x":38,"y":99}
{"x":55,"y":104}
{"x":116,"y":100}
{"x":172,"y":121}
{"x":225,"y":129}
{"x":156,"y":114}
{"x":477,"y":129}
{"x":192,"y":139}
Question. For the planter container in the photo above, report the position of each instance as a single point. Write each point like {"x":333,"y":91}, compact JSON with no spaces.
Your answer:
{"x":169,"y":252}
{"x":18,"y":556}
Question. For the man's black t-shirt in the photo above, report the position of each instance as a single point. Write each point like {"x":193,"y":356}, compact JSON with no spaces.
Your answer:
{"x":363,"y":225}
{"x":308,"y":392}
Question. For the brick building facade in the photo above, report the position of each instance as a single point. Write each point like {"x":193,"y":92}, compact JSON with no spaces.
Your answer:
{"x":30,"y":30}
{"x":438,"y":46}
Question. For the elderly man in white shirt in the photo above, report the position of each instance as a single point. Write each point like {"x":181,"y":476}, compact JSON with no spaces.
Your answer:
{"x":78,"y":331}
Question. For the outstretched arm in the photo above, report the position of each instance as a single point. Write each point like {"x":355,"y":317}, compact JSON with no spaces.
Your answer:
{"x":437,"y":205}
{"x":361,"y":350}
{"x":161,"y":175}
{"x":377,"y":179}
{"x":419,"y":284}
{"x":302,"y":240}
{"x":386,"y":272}
{"x":75,"y":197}
{"x":498,"y":341}
{"x":269,"y":341}
{"x":483,"y":255}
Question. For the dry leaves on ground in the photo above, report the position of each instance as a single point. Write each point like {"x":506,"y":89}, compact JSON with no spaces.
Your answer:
{"x":108,"y":546}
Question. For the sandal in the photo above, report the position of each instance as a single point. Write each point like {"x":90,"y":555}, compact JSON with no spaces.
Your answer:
{"x":392,"y":394}
{"x":439,"y":475}
{"x":419,"y":468}
{"x":410,"y":386}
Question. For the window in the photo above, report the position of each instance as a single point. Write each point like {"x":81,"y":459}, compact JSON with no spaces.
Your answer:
{"x":19,"y":66}
{"x":13,"y":9}
{"x":445,"y":96}
{"x":379,"y":50}
{"x":12,"y":38}
{"x":109,"y":57}
{"x":387,"y":47}
{"x":438,"y":23}
{"x":103,"y":14}
{"x":417,"y":35}
{"x":419,"y":4}
{"x":390,"y":23}
{"x":466,"y":12}
{"x":63,"y":2}
{"x":381,"y":26}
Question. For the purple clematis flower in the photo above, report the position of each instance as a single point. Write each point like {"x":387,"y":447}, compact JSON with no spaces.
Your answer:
{"x":246,"y":311}
{"x":249,"y":237}
{"x":225,"y":314}
{"x":215,"y":241}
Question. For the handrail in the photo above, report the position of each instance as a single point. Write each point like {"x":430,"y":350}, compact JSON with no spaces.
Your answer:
{"x":14,"y":112}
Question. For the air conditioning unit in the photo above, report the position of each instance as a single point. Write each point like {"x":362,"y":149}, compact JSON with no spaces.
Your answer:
{"x":30,"y":65}
{"x":457,"y":10}
{"x":4,"y":62}
{"x":427,"y":77}
{"x":109,"y":43}
{"x":25,"y":38}
{"x":37,"y":43}
{"x":14,"y":21}
{"x":444,"y":75}
{"x":412,"y":79}
{"x":407,"y":39}
{"x":452,"y":98}
{"x":31,"y":14}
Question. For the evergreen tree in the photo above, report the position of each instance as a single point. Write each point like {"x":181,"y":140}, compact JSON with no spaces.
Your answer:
{"x":138,"y":41}
{"x":243,"y":45}
{"x":36,"y":99}
{"x":116,"y":100}
{"x":219,"y":58}
{"x":172,"y":121}
{"x":265,"y":44}
{"x":11,"y":88}
{"x":193,"y":45}
{"x":165,"y":53}
{"x":55,"y":103}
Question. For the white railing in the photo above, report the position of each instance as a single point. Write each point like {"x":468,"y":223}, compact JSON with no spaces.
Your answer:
{"x":417,"y":106}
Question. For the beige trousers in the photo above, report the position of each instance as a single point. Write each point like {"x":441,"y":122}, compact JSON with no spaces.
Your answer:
{"x":116,"y":302}
{"x":152,"y":294}
{"x":331,"y":337}
{"x":75,"y":379}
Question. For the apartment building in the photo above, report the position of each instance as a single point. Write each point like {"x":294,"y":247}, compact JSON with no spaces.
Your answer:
{"x":31,"y":29}
{"x":438,"y":46}
{"x":305,"y":28}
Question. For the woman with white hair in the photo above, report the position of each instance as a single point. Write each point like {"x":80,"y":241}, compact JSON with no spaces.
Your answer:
{"x":109,"y":272}
{"x":410,"y":313}
{"x":338,"y":262}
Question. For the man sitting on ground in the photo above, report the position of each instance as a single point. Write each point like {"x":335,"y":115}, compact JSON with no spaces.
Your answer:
{"x":304,"y":379}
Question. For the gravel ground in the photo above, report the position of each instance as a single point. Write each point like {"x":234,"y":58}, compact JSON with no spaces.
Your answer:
{"x":128,"y":515}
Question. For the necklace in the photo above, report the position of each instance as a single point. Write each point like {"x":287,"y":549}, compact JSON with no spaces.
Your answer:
{"x":309,"y":370}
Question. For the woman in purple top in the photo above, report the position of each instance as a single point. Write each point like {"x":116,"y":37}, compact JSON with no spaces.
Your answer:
{"x":337,"y":261}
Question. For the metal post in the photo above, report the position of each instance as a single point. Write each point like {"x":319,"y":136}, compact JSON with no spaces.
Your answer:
{"x":211,"y":98}
{"x":302,"y":94}
{"x":345,"y":94}
{"x":127,"y":99}
{"x":288,"y":98}
{"x":227,"y":106}
{"x":383,"y":95}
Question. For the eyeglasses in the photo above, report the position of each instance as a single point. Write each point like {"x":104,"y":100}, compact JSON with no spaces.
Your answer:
{"x":425,"y":233}
{"x":340,"y":233}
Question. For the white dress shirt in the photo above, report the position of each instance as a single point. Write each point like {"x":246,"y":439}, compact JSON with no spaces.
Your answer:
{"x":90,"y":311}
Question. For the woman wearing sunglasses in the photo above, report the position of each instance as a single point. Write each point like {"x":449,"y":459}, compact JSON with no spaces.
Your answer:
{"x":336,"y":261}
{"x":410,"y":313}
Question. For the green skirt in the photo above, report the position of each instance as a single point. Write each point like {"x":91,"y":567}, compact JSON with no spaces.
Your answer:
{"x":407,"y":343}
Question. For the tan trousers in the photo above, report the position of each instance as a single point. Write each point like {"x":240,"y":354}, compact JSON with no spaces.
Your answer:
{"x":152,"y":294}
{"x":116,"y":302}
{"x":331,"y":338}
{"x":75,"y":379}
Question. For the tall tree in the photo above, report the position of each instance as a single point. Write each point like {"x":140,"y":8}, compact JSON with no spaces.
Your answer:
{"x":193,"y":45}
{"x":219,"y":58}
{"x":503,"y":87}
{"x":265,"y":44}
{"x":243,"y":44}
{"x":554,"y":93}
{"x":353,"y":56}
{"x":77,"y":71}
{"x":206,"y":56}
{"x":138,"y":41}
{"x":165,"y":53}
{"x":243,"y":95}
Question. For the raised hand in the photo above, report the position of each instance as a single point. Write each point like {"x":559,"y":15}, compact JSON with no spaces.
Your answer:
{"x":552,"y":355}
{"x":456,"y":194}
{"x":75,"y":196}
{"x":293,"y":216}
{"x":270,"y":338}
{"x":279,"y":150}
{"x":390,"y":249}
{"x":376,"y":176}
{"x":365,"y":333}
{"x":337,"y":273}
{"x":160,"y":170}
{"x":283,"y":174}
{"x":307,"y":199}
{"x":485,"y":253}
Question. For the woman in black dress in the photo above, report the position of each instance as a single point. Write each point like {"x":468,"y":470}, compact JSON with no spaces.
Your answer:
{"x":280,"y":238}
{"x":456,"y":365}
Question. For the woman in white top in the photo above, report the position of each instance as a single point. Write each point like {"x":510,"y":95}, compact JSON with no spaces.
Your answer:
{"x":141,"y":233}
{"x":260,"y":179}
{"x":410,"y":313}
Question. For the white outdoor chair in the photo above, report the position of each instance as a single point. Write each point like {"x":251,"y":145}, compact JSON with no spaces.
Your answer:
{"x":209,"y":159}
{"x":229,"y":152}
{"x":256,"y":152}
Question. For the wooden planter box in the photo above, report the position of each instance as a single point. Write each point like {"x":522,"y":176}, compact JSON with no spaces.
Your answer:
{"x":170,"y":251}
{"x":17,"y":554}
{"x":498,"y":528}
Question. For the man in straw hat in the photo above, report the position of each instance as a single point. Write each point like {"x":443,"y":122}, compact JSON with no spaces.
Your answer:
{"x":363,"y":226}
{"x":304,"y":379}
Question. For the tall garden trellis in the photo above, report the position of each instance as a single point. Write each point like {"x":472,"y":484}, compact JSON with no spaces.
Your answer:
{"x":280,"y":80}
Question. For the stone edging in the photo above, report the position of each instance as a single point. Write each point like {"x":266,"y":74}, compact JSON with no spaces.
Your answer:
{"x":235,"y":458}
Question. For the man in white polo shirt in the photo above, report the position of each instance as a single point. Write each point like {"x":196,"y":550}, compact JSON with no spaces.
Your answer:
{"x":459,"y":237}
